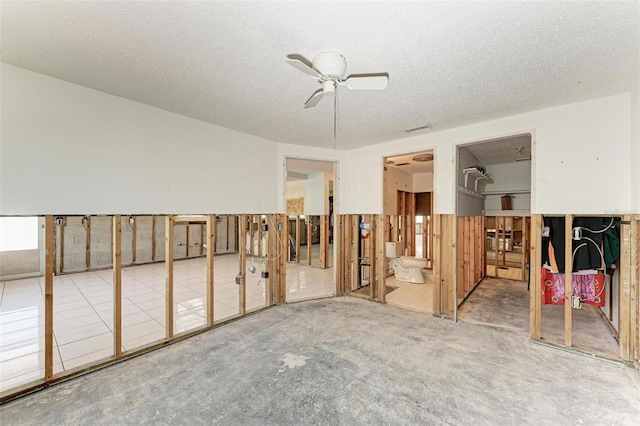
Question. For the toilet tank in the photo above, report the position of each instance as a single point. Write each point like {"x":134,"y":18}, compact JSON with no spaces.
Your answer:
{"x":393,"y":249}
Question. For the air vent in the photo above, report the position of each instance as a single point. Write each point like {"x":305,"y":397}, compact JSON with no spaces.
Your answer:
{"x":418,"y":129}
{"x":402,"y":164}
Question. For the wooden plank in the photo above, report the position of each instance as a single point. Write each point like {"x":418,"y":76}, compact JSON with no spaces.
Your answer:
{"x":271,"y":254}
{"x":153,"y":238}
{"x":309,"y":220}
{"x":437,"y":264}
{"x":61,"y":246}
{"x":297,"y":238}
{"x":203,"y":239}
{"x":468,"y":241}
{"x":117,"y":285}
{"x":282,"y":271}
{"x":460,"y":281}
{"x":449,"y":266}
{"x":227,"y":223}
{"x":134,"y":229}
{"x":324,"y":241}
{"x":211,"y":243}
{"x":635,"y":287}
{"x":535,"y":302}
{"x":48,"y":296}
{"x":626,"y":323}
{"x":258,"y":219}
{"x":88,"y":245}
{"x":497,"y":251}
{"x":473,"y":243}
{"x":168,"y":262}
{"x":568,"y":278}
{"x":382,"y":234}
{"x":242,"y":248}
{"x":425,"y":237}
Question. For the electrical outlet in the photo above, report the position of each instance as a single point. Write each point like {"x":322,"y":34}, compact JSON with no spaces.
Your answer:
{"x":264,"y":274}
{"x":58,"y":220}
{"x":279,"y":227}
{"x":265,"y":227}
{"x":576,"y":303}
{"x":239,"y":279}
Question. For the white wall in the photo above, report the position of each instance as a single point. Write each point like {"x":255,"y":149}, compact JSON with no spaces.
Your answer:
{"x":635,"y":149}
{"x":423,"y":182}
{"x":468,"y":205}
{"x":317,"y":197}
{"x":66,"y":149}
{"x":581,"y":159}
{"x":506,"y":178}
{"x":296,"y":189}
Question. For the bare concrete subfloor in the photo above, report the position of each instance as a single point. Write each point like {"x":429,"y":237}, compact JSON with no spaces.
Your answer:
{"x":344,"y":361}
{"x":505,"y":303}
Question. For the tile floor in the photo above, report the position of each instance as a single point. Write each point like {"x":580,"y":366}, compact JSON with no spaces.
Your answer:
{"x":418,"y":297}
{"x":308,"y":282}
{"x":83,"y":313}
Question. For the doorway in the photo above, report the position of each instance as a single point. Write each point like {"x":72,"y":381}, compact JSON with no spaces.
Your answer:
{"x":309,"y":194}
{"x":408,"y":212}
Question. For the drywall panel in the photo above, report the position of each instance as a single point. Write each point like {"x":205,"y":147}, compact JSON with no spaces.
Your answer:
{"x":635,"y":148}
{"x":317,"y":195}
{"x":423,"y":182}
{"x":68,"y":149}
{"x":582,"y":159}
{"x":296,"y":189}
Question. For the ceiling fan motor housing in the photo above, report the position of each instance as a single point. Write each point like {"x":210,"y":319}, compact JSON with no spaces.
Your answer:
{"x":330,"y":64}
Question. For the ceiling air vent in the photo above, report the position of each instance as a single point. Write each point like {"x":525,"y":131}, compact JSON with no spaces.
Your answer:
{"x":423,"y":158}
{"x":402,"y":164}
{"x":418,"y":129}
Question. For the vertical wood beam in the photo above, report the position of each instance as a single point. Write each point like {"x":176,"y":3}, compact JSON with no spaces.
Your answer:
{"x":117,"y":285}
{"x":460,"y":281}
{"x":298,"y":238}
{"x":309,"y":220}
{"x":568,"y":278}
{"x":88,"y":245}
{"x":324,"y":241}
{"x":282,"y":261}
{"x":168,"y":259}
{"x":242,"y":248}
{"x":437,"y":264}
{"x":187,"y":242}
{"x":153,"y":238}
{"x":497,"y":250}
{"x":258,"y":219}
{"x":251,"y":244}
{"x":381,"y":235}
{"x":355,"y":253}
{"x":48,"y":296}
{"x":211,"y":242}
{"x":203,"y":238}
{"x":626,"y":307}
{"x":271,"y":254}
{"x":61,"y":227}
{"x":535,"y":302}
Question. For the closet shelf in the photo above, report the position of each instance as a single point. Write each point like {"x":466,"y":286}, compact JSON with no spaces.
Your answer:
{"x":515,"y":213}
{"x":515,"y":191}
{"x":476,"y":174}
{"x":471,"y":192}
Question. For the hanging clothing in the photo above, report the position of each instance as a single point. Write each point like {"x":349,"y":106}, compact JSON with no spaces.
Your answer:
{"x":587,"y":250}
{"x":611,"y":244}
{"x":553,"y":244}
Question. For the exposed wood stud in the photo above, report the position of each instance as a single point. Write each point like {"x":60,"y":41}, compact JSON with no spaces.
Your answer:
{"x":535,"y":302}
{"x":134,"y":230}
{"x":251,"y":247}
{"x":61,"y":228}
{"x":168,"y":258}
{"x":258,"y":219}
{"x":437,"y":264}
{"x":381,"y":235}
{"x":48,"y":297}
{"x":153,"y":238}
{"x":324,"y":241}
{"x":242,"y":248}
{"x":88,"y":246}
{"x":309,"y":220}
{"x":117,"y":285}
{"x":626,"y":325}
{"x":210,"y":243}
{"x":297,"y":238}
{"x":568,"y":278}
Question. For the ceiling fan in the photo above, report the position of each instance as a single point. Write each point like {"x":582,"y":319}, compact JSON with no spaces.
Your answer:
{"x":329,"y":69}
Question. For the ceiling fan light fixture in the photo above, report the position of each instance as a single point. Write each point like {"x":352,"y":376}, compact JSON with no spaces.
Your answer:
{"x":329,"y":87}
{"x":422,"y":158}
{"x":418,"y":129}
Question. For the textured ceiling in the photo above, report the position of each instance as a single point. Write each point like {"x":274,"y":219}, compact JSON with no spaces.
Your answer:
{"x":449,"y":63}
{"x":502,"y":151}
{"x":413,"y":166}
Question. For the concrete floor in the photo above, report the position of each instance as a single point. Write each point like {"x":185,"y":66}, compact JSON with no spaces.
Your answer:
{"x":505,"y":304}
{"x":344,"y":361}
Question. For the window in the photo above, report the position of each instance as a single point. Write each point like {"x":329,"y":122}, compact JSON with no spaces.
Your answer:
{"x":18,"y":233}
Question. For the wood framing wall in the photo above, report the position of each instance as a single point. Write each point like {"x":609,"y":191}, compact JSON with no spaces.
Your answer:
{"x":274,"y":257}
{"x":470,"y":255}
{"x":445,"y":268}
{"x":305,"y":232}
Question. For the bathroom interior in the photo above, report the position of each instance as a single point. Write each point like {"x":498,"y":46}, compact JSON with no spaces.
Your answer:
{"x":408,"y":206}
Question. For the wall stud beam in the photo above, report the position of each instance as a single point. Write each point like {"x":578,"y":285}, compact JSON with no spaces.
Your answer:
{"x":168,"y":258}
{"x":117,"y":285}
{"x":48,"y":297}
{"x":210,"y":243}
{"x":568,"y":278}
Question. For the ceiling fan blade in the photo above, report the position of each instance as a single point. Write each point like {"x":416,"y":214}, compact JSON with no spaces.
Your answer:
{"x":314,"y":99}
{"x":367,"y":81}
{"x":301,"y":63}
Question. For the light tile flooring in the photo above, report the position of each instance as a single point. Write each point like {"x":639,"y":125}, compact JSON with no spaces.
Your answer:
{"x":418,"y":297}
{"x":308,"y":282}
{"x":83,"y":313}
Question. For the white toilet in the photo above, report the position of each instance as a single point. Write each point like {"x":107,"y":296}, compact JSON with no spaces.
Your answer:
{"x":405,"y":268}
